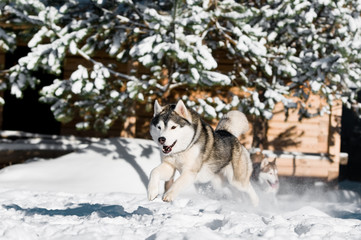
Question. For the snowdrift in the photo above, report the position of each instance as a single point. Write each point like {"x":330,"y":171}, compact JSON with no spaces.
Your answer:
{"x":100,"y":193}
{"x":110,"y":165}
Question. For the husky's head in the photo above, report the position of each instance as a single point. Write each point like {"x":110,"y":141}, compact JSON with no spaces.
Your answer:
{"x":171,"y":127}
{"x":268,"y":175}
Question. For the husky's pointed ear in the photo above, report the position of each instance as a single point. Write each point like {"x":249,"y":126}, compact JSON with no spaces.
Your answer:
{"x":157,"y":108}
{"x":182,"y":111}
{"x":264,"y":162}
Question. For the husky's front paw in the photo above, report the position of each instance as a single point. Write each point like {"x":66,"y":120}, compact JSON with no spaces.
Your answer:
{"x":168,"y":197}
{"x":152,"y":191}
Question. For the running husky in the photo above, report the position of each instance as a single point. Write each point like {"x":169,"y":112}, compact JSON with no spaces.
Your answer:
{"x":268,"y":176}
{"x":265,"y":175}
{"x":199,"y":153}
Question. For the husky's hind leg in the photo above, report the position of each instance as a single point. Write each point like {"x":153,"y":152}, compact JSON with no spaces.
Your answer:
{"x":220,"y":187}
{"x":252,"y":194}
{"x":242,"y":170}
{"x":165,"y":172}
{"x":247,"y":188}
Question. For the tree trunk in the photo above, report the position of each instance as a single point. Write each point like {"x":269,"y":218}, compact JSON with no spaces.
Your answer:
{"x":260,"y":128}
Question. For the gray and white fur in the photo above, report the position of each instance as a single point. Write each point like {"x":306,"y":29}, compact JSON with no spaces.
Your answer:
{"x":200,"y":154}
{"x":265,"y":177}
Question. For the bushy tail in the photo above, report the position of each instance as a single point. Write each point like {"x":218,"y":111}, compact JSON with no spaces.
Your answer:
{"x":234,"y":122}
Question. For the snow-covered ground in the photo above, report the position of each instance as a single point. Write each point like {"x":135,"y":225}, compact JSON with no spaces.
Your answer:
{"x":100,"y":193}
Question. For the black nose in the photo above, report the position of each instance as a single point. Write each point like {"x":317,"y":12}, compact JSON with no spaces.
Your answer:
{"x":161,"y":140}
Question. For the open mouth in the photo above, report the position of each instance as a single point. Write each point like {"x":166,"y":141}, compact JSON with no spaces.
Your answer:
{"x":273,"y":185}
{"x":168,"y":149}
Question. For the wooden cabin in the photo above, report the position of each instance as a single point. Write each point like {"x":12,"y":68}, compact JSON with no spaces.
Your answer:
{"x":307,"y":148}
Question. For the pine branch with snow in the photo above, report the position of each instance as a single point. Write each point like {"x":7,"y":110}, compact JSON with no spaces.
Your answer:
{"x":278,"y":49}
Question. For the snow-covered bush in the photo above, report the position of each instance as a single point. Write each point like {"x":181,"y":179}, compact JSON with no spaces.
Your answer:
{"x":276,"y":50}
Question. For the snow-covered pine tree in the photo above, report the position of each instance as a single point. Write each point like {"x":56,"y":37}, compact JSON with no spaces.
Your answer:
{"x":312,"y":48}
{"x":315,"y":45}
{"x":278,"y":49}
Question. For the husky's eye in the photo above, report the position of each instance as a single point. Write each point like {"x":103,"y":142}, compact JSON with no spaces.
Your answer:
{"x":173,"y":127}
{"x":159,"y":127}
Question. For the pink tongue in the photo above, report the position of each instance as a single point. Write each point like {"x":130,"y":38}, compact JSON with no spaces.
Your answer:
{"x":273,"y":185}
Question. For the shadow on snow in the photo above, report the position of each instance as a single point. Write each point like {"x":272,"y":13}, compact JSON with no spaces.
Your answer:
{"x":83,"y":210}
{"x":346,"y":214}
{"x":124,"y":152}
